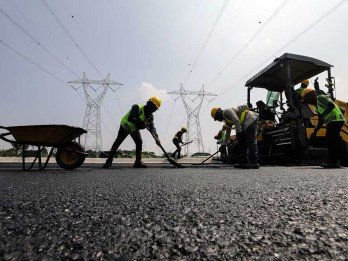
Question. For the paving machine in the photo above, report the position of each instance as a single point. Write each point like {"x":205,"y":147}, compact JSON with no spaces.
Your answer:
{"x":285,"y":124}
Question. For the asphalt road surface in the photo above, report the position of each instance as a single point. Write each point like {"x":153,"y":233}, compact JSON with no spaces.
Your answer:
{"x":211,"y":213}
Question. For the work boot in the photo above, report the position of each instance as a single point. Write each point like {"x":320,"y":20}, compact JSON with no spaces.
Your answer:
{"x":107,"y":165}
{"x":331,"y":165}
{"x":241,"y":165}
{"x":139,"y":164}
{"x":254,"y":166}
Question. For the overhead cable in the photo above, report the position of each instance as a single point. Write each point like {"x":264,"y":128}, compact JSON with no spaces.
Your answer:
{"x":252,"y":38}
{"x":30,"y":36}
{"x":169,"y":120}
{"x":206,"y":40}
{"x":36,"y":64}
{"x":288,"y":43}
{"x":71,"y":37}
{"x":32,"y":62}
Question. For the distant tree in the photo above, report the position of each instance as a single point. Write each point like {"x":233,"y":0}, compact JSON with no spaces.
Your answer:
{"x":8,"y":153}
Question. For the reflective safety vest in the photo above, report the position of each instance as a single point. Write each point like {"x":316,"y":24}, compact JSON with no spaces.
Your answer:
{"x":176,"y":136}
{"x":223,"y":135}
{"x":334,"y":115}
{"x":127,"y":125}
{"x":242,"y":116}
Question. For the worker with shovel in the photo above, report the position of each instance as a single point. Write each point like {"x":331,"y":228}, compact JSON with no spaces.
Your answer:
{"x":220,"y":137}
{"x":139,"y":117}
{"x":177,"y":140}
{"x":330,"y":114}
{"x":245,"y":122}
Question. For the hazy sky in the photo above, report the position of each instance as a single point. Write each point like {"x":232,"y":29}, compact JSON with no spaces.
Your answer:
{"x":151,"y":46}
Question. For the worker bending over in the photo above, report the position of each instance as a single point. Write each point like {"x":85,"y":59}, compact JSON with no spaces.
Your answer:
{"x":139,"y":117}
{"x":245,"y":122}
{"x":177,"y":140}
{"x":330,"y":114}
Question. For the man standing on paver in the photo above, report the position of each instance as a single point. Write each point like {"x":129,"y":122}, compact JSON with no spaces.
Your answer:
{"x":245,"y":122}
{"x":139,"y":117}
{"x":330,"y":114}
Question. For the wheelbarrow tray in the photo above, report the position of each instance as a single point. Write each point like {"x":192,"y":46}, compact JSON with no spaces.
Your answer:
{"x":45,"y":135}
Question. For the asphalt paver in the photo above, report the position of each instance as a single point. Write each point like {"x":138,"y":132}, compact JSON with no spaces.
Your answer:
{"x":273,"y":213}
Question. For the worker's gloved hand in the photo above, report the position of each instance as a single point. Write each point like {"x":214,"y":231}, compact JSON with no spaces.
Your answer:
{"x":142,"y":125}
{"x":240,"y":136}
{"x":222,"y":148}
{"x":158,"y":142}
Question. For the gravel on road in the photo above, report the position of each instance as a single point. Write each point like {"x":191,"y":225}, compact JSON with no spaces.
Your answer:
{"x":273,"y":213}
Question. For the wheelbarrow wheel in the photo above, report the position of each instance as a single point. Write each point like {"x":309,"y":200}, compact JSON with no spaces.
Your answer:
{"x":70,"y":156}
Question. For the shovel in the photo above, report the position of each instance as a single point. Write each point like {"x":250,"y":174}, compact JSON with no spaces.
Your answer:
{"x":173,"y":162}
{"x":186,"y":143}
{"x":207,"y":158}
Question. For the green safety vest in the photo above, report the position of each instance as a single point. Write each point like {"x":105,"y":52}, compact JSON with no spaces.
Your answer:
{"x":242,"y":117}
{"x":334,"y":115}
{"x":127,"y":125}
{"x":222,"y":137}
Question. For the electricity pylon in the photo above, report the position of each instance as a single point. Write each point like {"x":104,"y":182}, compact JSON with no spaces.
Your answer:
{"x":192,"y":113}
{"x":92,"y":119}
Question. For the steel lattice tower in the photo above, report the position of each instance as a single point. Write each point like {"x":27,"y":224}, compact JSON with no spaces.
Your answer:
{"x":92,"y":119}
{"x":192,"y":110}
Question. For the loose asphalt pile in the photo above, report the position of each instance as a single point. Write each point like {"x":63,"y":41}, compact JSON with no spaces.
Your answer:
{"x":165,"y":213}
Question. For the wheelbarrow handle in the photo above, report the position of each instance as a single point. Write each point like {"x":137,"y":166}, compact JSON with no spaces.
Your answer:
{"x":2,"y":136}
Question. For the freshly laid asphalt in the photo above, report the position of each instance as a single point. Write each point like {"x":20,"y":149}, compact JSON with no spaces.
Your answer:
{"x":212,"y":213}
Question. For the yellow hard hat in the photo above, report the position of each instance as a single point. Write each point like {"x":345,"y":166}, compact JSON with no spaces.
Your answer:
{"x":184,"y":129}
{"x":156,"y":101}
{"x":306,"y":91}
{"x":306,"y":82}
{"x":213,"y":111}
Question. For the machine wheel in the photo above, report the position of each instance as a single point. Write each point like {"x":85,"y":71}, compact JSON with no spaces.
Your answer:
{"x":68,"y":156}
{"x":344,"y":150}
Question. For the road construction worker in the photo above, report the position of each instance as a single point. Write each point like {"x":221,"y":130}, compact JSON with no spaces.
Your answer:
{"x":220,"y":137}
{"x":330,"y":114}
{"x":245,"y":122}
{"x":139,"y":117}
{"x":177,"y":140}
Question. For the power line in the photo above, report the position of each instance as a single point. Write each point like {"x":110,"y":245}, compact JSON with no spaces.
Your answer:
{"x":313,"y":24}
{"x":30,"y":36}
{"x":252,"y":38}
{"x":288,"y":43}
{"x":36,"y":64}
{"x":71,"y":37}
{"x":206,"y":40}
{"x":169,"y":120}
{"x":77,"y":45}
{"x":32,"y":62}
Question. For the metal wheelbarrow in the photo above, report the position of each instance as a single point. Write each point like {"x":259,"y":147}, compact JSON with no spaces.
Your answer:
{"x":70,"y":154}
